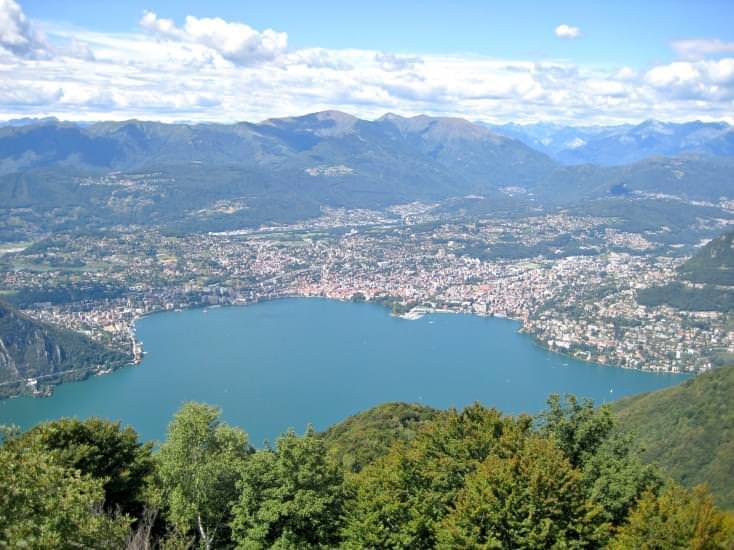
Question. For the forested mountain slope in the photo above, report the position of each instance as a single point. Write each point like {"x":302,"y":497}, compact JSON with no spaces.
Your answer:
{"x":705,"y":281}
{"x":688,"y":430}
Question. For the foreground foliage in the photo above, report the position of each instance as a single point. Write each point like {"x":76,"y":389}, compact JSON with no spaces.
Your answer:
{"x":290,"y":496}
{"x":45,"y":504}
{"x":568,"y":478}
{"x":360,"y":439}
{"x":199,"y":466}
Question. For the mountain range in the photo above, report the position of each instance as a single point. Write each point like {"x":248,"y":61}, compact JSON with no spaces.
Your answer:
{"x":623,"y":144}
{"x":288,"y":169}
{"x":127,"y":144}
{"x":423,"y":145}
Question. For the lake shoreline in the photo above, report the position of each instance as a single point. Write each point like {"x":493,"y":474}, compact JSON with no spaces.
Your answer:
{"x":137,"y":349}
{"x":289,"y":361}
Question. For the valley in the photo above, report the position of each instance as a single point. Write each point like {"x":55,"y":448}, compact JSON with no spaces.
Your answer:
{"x":116,"y":221}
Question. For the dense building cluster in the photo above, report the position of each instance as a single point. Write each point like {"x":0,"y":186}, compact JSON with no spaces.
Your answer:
{"x":572,"y":281}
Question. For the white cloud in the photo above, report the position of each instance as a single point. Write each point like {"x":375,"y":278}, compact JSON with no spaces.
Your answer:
{"x":17,"y":35}
{"x":567,"y":31}
{"x":700,"y":48}
{"x":625,"y":74}
{"x":710,"y":80}
{"x":29,"y":95}
{"x":237,"y":42}
{"x":211,"y":69}
{"x":314,"y":58}
{"x":391,"y":62}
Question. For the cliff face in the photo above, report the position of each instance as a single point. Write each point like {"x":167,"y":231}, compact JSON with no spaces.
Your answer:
{"x":26,"y":347}
{"x":29,"y":349}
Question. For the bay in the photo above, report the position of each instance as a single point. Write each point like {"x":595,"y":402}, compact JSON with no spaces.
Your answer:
{"x":287,"y":363}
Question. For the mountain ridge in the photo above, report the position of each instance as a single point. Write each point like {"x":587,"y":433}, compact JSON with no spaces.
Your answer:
{"x":568,"y":145}
{"x":287,"y":169}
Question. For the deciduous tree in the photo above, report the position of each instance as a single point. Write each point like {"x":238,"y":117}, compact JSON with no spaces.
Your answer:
{"x":199,"y":466}
{"x":531,"y":499}
{"x":290,"y":496}
{"x":676,"y":518}
{"x":103,"y":450}
{"x":47,"y":505}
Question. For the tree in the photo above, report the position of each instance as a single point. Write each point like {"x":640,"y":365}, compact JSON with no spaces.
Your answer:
{"x":199,"y":466}
{"x":400,"y":499}
{"x":613,"y":472}
{"x":676,"y":518}
{"x":101,"y":449}
{"x":44,"y":504}
{"x":532,"y":499}
{"x":615,"y":477}
{"x":290,"y":497}
{"x":579,"y":428}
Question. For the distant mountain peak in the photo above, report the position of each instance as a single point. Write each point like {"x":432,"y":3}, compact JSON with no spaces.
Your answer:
{"x":333,"y":114}
{"x":449,"y":128}
{"x":30,"y":121}
{"x":329,"y":123}
{"x":389,"y":116}
{"x":625,"y":143}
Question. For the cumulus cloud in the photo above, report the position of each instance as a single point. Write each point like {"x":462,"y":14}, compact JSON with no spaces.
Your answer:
{"x":392,"y":62}
{"x":202,"y":69}
{"x":701,"y":48}
{"x":234,"y":41}
{"x":314,"y":58}
{"x":707,"y":80}
{"x":18,"y":36}
{"x":567,"y":31}
{"x":625,"y":74}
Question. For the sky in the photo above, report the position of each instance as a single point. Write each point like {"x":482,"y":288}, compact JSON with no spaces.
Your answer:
{"x":568,"y":62}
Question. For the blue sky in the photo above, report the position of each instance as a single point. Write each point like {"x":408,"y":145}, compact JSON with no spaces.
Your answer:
{"x":497,"y":61}
{"x":616,"y":32}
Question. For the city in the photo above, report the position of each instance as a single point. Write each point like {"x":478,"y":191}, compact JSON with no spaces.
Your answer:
{"x":577,"y":297}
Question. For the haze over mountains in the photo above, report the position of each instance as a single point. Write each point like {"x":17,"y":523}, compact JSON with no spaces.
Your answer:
{"x":623,"y":144}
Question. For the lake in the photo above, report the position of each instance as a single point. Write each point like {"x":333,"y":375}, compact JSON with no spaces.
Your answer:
{"x":285,"y":363}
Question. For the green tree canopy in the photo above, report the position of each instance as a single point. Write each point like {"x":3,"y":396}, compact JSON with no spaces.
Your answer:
{"x":290,"y":497}
{"x":103,"y":450}
{"x":578,"y":427}
{"x":47,"y":505}
{"x":530,"y":499}
{"x":199,"y":466}
{"x":400,"y":499}
{"x":471,"y":479}
{"x":615,"y":477}
{"x":676,"y":519}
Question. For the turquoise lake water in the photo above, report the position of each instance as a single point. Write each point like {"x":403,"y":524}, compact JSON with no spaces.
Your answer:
{"x":286,"y":363}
